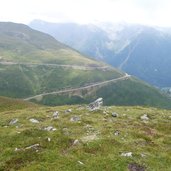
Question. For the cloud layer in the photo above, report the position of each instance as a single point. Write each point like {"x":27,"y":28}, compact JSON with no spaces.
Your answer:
{"x":151,"y":12}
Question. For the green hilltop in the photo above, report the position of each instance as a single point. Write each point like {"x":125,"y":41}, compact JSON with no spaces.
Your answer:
{"x":33,"y":63}
{"x":74,"y":138}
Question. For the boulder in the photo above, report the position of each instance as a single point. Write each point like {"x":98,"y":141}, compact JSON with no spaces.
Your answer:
{"x":55,"y":115}
{"x":75,"y":119}
{"x":33,"y":120}
{"x":96,"y":104}
{"x":13,"y":121}
{"x":144,"y":117}
{"x":114,"y":114}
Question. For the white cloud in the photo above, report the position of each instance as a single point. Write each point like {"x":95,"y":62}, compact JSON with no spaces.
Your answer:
{"x":151,"y":12}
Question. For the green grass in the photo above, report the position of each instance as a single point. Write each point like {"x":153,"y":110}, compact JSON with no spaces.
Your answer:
{"x":21,"y":44}
{"x":150,"y":138}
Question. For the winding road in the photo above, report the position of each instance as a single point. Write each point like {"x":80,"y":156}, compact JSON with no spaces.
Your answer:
{"x":58,"y":65}
{"x":126,"y":76}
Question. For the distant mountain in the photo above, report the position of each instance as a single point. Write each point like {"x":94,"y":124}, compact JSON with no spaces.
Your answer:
{"x":139,"y":50}
{"x":34,"y":66}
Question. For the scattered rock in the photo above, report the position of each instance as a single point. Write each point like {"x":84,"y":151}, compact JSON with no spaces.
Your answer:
{"x":49,"y":139}
{"x":55,"y":115}
{"x":50,"y":128}
{"x":144,"y":117}
{"x":33,"y":120}
{"x":75,"y":119}
{"x":76,"y":142}
{"x":32,"y":147}
{"x":68,"y":111}
{"x":143,"y":155}
{"x":116,"y":133}
{"x":17,"y":149}
{"x":89,"y":138}
{"x":80,"y":162}
{"x":13,"y":121}
{"x":129,"y":154}
{"x":96,"y":104}
{"x":135,"y":167}
{"x":114,"y":114}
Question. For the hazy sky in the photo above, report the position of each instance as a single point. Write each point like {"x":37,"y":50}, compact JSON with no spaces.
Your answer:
{"x":151,"y":12}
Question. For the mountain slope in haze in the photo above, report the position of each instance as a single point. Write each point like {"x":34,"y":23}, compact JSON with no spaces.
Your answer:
{"x":32,"y":64}
{"x":139,"y":50}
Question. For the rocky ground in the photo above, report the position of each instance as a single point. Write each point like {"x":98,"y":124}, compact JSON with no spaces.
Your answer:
{"x":70,"y":138}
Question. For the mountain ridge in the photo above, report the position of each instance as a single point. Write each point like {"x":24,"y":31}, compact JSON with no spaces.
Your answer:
{"x":27,"y":70}
{"x":142,"y":51}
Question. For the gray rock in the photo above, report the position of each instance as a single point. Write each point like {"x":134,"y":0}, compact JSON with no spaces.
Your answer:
{"x":80,"y":162}
{"x":68,"y":111}
{"x":55,"y":115}
{"x":114,"y":114}
{"x":96,"y":104}
{"x":116,"y":133}
{"x":13,"y":121}
{"x":76,"y":142}
{"x":33,"y":120}
{"x":144,"y":117}
{"x":32,"y":146}
{"x":129,"y":154}
{"x":50,"y":128}
{"x":75,"y":119}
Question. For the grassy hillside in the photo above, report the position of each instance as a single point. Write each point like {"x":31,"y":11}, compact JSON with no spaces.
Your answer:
{"x":19,"y":43}
{"x":126,"y":92}
{"x":33,"y":63}
{"x":95,"y":141}
{"x":9,"y":104}
{"x":139,"y":50}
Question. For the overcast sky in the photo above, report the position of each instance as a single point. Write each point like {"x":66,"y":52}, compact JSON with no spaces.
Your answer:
{"x":151,"y":12}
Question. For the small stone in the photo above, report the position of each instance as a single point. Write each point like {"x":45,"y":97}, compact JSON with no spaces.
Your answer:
{"x":32,"y":146}
{"x":68,"y":111}
{"x":96,"y":104}
{"x":13,"y":121}
{"x":143,"y":155}
{"x":80,"y":162}
{"x":56,"y":115}
{"x":49,"y":139}
{"x":17,"y":149}
{"x":50,"y":128}
{"x":116,"y":133}
{"x":129,"y":154}
{"x":75,"y":119}
{"x":76,"y":142}
{"x":144,"y":117}
{"x":33,"y":120}
{"x":114,"y":114}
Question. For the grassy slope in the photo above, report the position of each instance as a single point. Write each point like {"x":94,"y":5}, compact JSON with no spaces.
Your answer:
{"x":150,"y":142}
{"x":19,"y":43}
{"x":22,"y":81}
{"x":8,"y":104}
{"x":127,"y":92}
